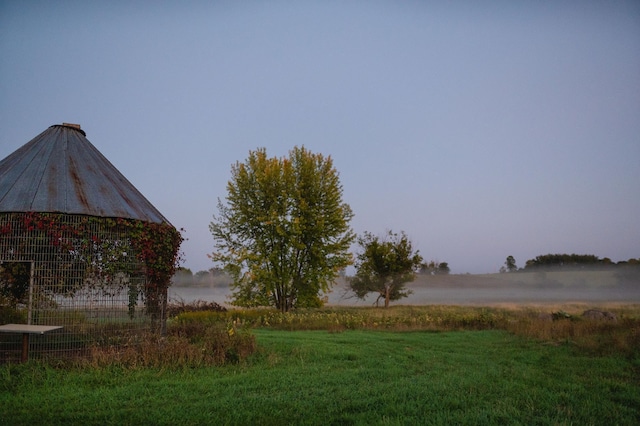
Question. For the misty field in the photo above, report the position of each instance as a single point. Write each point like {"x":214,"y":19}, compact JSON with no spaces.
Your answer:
{"x":405,"y":365}
{"x":607,"y":286}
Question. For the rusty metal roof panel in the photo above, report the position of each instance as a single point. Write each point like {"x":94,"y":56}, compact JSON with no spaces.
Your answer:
{"x":61,"y":171}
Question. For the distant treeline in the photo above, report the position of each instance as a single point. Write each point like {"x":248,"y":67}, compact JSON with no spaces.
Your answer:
{"x":576,"y":262}
{"x":434,"y":268}
{"x":212,"y":278}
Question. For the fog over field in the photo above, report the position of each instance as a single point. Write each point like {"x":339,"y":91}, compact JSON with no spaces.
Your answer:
{"x":590,"y":287}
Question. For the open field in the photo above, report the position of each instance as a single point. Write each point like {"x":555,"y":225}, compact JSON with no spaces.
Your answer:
{"x":404,"y":365}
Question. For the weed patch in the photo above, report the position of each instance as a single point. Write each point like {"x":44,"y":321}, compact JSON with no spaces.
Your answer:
{"x":185,"y":345}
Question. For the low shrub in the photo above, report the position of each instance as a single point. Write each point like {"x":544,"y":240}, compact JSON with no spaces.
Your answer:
{"x":185,"y":345}
{"x":11,"y":315}
{"x":177,"y":307}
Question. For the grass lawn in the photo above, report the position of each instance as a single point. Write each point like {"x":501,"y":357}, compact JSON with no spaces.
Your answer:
{"x":350,"y":377}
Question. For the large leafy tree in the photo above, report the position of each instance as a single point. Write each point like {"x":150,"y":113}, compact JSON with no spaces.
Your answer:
{"x":384,"y":266}
{"x":283,"y":233}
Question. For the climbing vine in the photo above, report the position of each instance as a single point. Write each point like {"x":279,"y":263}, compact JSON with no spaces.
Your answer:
{"x":73,"y":247}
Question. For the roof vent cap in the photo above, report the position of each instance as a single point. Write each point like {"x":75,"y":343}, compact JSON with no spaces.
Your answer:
{"x":74,"y":126}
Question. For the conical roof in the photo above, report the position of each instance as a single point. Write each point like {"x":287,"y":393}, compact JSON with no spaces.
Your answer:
{"x":60,"y":171}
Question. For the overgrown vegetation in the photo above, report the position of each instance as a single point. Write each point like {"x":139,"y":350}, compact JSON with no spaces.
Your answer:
{"x":177,"y":307}
{"x":190,"y":344}
{"x":549,"y":324}
{"x":74,"y":253}
{"x":186,"y":343}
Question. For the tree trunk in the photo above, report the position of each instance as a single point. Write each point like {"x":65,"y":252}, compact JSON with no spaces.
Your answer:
{"x":386,"y":296}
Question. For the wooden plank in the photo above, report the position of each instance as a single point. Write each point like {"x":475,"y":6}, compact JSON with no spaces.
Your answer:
{"x":28,"y":329}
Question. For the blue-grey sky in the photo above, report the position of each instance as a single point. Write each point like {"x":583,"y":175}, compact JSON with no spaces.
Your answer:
{"x":481,"y":129}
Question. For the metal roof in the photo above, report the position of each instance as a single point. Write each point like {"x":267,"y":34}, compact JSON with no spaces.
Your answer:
{"x":61,"y":171}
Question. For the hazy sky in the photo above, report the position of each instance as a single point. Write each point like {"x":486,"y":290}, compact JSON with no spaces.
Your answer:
{"x":481,"y":129}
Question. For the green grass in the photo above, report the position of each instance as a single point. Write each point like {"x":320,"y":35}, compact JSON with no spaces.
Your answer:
{"x":350,"y":377}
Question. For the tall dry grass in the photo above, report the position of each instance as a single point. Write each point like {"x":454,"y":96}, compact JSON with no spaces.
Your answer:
{"x":550,"y":324}
{"x":217,"y":337}
{"x":597,"y":336}
{"x":185,"y":345}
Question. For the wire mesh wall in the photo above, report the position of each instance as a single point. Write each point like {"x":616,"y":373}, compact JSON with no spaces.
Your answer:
{"x":78,"y":272}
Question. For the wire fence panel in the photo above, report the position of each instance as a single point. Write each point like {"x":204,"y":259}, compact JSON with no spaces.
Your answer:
{"x":78,"y":272}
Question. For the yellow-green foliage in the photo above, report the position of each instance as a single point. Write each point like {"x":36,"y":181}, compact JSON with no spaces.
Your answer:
{"x":250,"y":316}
